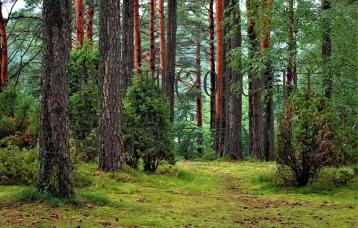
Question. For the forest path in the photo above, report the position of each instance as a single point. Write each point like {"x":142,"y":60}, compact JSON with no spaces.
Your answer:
{"x":189,"y":194}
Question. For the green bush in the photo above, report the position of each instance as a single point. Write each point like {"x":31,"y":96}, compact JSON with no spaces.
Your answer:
{"x":84,"y":99}
{"x":308,"y":140}
{"x":18,"y":166}
{"x":147,"y":128}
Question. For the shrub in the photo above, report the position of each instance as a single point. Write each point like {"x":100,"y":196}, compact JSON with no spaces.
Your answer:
{"x":18,"y":166}
{"x":307,"y":137}
{"x":147,"y":128}
{"x":84,"y":96}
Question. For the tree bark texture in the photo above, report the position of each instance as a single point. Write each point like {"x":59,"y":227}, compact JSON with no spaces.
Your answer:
{"x":292,"y":50}
{"x":55,"y":164}
{"x":199,"y":103}
{"x":212,"y":63}
{"x":128,"y":44}
{"x":162,"y":37}
{"x":255,"y":84}
{"x":80,"y":22}
{"x":169,"y":79}
{"x":327,"y":49}
{"x":111,"y":142}
{"x":152,"y":36}
{"x":268,"y":114}
{"x":3,"y":49}
{"x":137,"y":37}
{"x":90,"y":20}
{"x":234,"y":80}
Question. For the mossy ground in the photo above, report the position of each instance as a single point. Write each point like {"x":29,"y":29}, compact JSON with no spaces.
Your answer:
{"x":198,"y":194}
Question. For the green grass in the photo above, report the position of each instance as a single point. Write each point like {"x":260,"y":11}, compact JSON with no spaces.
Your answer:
{"x":204,"y":194}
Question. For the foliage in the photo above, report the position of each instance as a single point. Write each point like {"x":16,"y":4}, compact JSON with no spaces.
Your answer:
{"x":18,"y":166}
{"x":314,"y":142}
{"x":19,"y":118}
{"x":84,"y":98}
{"x":147,"y":128}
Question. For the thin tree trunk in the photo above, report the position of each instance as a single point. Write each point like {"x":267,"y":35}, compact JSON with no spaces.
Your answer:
{"x":234,"y":98}
{"x":212,"y":63}
{"x":111,"y":142}
{"x":268,"y":123}
{"x":162,"y":37}
{"x":199,"y":105}
{"x":219,"y":102}
{"x":255,"y":84}
{"x":55,"y":164}
{"x":128,"y":44}
{"x":4,"y":57}
{"x":137,"y":38}
{"x":80,"y":22}
{"x":90,"y":20}
{"x":292,"y":52}
{"x":169,"y":79}
{"x":152,"y":37}
{"x":327,"y":49}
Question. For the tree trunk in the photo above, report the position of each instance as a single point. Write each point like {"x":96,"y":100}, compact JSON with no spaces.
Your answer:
{"x":327,"y":49}
{"x":234,"y":98}
{"x":292,"y":52}
{"x":111,"y":143}
{"x":128,"y":45}
{"x":212,"y":63}
{"x":268,"y":123}
{"x":255,"y":84}
{"x":4,"y":57}
{"x":137,"y":37}
{"x":90,"y":20}
{"x":219,"y":102}
{"x":55,"y":164}
{"x":80,"y":22}
{"x":169,"y":79}
{"x":152,"y":37}
{"x":199,"y":105}
{"x":162,"y":37}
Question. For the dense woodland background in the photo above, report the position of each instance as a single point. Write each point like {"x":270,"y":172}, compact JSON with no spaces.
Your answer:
{"x":142,"y":87}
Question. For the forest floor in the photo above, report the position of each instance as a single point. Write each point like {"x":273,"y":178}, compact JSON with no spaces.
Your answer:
{"x":191,"y":194}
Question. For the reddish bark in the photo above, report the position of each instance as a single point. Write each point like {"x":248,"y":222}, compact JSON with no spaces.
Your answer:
{"x":4,"y":57}
{"x":90,"y":20}
{"x":137,"y":38}
{"x":151,"y":36}
{"x":80,"y":22}
{"x":162,"y":37}
{"x":212,"y":63}
{"x":219,"y":56}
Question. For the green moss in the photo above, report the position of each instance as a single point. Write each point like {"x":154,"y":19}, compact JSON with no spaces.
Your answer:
{"x":204,"y":194}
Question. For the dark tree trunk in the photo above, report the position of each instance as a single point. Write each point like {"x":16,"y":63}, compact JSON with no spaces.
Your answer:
{"x":152,"y":37}
{"x":212,"y":63}
{"x":199,"y":104}
{"x":90,"y":20}
{"x":169,"y":79}
{"x":111,"y":143}
{"x":162,"y":37}
{"x":137,"y":37}
{"x":292,"y":52}
{"x":234,"y":98}
{"x":255,"y":84}
{"x":3,"y":54}
{"x":128,"y":44}
{"x":268,"y":123}
{"x":55,"y":164}
{"x":327,"y":49}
